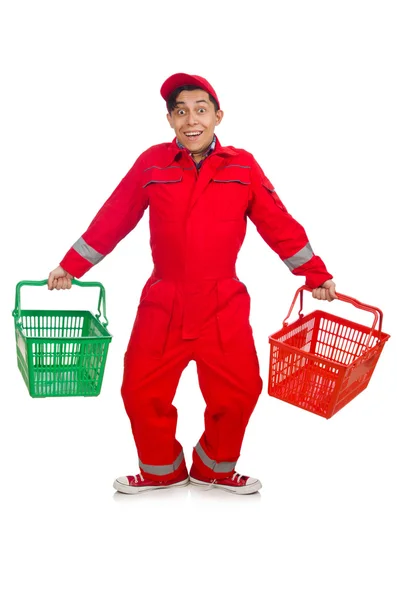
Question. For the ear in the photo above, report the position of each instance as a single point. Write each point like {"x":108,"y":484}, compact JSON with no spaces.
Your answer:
{"x":219,"y":117}
{"x":169,"y":119}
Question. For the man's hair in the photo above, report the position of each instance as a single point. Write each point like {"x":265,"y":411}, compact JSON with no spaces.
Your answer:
{"x":171,"y":100}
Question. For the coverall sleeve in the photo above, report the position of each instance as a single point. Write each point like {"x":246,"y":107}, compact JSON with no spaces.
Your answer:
{"x":282,"y":232}
{"x":117,"y":217}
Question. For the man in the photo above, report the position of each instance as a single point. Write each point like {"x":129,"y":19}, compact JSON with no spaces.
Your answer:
{"x":193,"y":307}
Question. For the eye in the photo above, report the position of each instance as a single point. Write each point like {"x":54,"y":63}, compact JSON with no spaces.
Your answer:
{"x":201,"y":110}
{"x":181,"y":111}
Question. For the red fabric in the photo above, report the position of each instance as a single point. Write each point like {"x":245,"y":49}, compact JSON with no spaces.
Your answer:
{"x":193,"y":307}
{"x":148,"y":481}
{"x":181,"y":79}
{"x":168,"y":333}
{"x":221,"y":479}
{"x":79,"y":264}
{"x":197,"y":222}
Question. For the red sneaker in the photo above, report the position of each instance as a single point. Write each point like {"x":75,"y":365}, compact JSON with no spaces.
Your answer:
{"x":134,"y":484}
{"x":235,"y":483}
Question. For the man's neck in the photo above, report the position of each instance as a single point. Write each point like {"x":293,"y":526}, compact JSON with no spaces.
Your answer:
{"x":198,"y":157}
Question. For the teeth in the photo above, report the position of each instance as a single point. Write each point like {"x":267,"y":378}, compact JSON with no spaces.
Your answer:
{"x":193,"y":134}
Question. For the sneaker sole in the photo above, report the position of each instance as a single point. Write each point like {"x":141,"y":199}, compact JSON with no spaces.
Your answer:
{"x":129,"y":489}
{"x":241,"y":491}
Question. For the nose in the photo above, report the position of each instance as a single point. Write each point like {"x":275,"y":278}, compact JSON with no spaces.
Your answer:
{"x":191,"y":118}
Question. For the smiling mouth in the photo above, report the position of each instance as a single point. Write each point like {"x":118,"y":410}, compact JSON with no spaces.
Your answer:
{"x":193,"y":135}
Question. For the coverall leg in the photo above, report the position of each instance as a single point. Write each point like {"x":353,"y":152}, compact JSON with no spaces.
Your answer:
{"x":173,"y":327}
{"x":231,"y":385}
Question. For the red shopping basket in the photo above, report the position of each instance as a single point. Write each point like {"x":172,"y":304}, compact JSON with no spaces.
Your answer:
{"x":321,"y":361}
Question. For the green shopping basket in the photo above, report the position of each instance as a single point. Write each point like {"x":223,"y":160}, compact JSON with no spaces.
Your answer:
{"x":61,"y":352}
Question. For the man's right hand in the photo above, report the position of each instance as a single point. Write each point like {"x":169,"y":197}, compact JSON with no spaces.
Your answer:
{"x":59,"y":279}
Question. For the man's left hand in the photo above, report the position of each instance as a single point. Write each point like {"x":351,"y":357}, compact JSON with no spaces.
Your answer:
{"x":326,"y":291}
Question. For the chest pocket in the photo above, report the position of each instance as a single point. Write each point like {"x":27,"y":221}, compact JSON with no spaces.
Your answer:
{"x":163,"y":187}
{"x":154,"y":175}
{"x":230,"y":188}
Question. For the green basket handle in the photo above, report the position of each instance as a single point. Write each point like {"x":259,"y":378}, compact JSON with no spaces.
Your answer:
{"x":16,"y":313}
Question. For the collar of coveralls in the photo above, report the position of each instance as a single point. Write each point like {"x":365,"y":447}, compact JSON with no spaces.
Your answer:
{"x":210,"y":149}
{"x":176,"y":148}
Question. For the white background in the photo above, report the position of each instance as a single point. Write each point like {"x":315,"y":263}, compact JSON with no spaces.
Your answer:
{"x":309,"y":88}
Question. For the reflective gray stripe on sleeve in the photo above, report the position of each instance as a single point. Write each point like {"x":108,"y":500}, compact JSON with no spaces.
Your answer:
{"x":162,"y":469}
{"x":300,"y":258}
{"x":87,"y":252}
{"x":221,"y":467}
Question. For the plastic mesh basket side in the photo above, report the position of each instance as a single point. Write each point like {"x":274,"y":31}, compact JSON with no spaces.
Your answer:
{"x":321,"y":362}
{"x":61,"y":353}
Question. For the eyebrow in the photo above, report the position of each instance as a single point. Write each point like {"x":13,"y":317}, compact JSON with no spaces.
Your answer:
{"x":197,"y":101}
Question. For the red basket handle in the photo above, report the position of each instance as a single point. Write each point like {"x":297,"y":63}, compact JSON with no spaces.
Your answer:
{"x":378,"y":315}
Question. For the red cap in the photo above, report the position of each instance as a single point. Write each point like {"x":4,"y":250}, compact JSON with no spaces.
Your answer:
{"x":180,"y":79}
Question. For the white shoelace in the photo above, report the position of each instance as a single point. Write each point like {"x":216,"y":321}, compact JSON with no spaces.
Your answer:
{"x":210,"y":485}
{"x":235,"y":477}
{"x":136,"y":477}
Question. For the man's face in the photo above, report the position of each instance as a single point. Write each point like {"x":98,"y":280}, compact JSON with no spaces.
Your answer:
{"x":194,"y":120}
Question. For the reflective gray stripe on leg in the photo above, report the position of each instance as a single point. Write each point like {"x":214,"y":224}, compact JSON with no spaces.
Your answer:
{"x":87,"y":252}
{"x":162,"y":469}
{"x":217,"y":467}
{"x":300,"y":258}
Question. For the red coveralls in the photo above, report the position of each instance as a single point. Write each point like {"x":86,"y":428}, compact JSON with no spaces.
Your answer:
{"x":193,"y":307}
